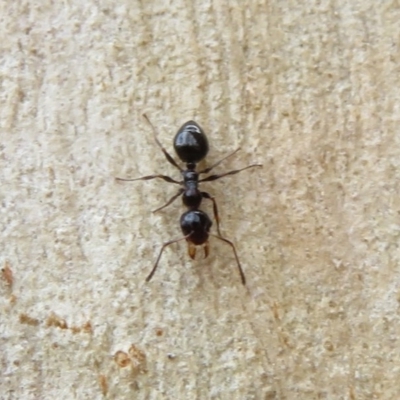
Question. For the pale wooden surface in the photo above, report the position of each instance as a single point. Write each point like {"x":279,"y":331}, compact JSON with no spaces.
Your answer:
{"x":311,"y":91}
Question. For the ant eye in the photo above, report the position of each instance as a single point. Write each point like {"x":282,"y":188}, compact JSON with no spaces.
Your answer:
{"x":191,"y":146}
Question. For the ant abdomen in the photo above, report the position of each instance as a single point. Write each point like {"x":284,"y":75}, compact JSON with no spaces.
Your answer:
{"x":190,"y":143}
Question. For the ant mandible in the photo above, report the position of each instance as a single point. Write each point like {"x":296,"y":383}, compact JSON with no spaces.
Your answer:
{"x":191,"y":146}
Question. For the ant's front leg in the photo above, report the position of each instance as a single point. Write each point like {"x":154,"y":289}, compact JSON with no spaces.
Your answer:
{"x":160,"y":253}
{"x":215,"y":209}
{"x":171,"y":200}
{"x":242,"y":277}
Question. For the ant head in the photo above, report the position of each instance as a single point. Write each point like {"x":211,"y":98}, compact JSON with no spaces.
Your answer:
{"x":190,"y":143}
{"x":196,"y":224}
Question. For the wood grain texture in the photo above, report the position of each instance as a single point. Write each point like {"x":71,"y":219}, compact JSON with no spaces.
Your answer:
{"x":308,"y":90}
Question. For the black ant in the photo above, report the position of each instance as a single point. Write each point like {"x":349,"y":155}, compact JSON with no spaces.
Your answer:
{"x":191,"y":146}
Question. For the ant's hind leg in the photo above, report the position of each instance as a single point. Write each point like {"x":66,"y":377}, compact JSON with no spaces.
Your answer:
{"x":167,"y":155}
{"x":215,"y":177}
{"x":207,"y":170}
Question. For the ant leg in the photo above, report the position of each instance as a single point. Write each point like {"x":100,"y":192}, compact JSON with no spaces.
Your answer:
{"x":167,"y":155}
{"x":166,"y":244}
{"x":146,"y":178}
{"x":215,"y":177}
{"x":236,"y":256}
{"x":207,"y":170}
{"x":215,"y":209}
{"x":171,"y":200}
